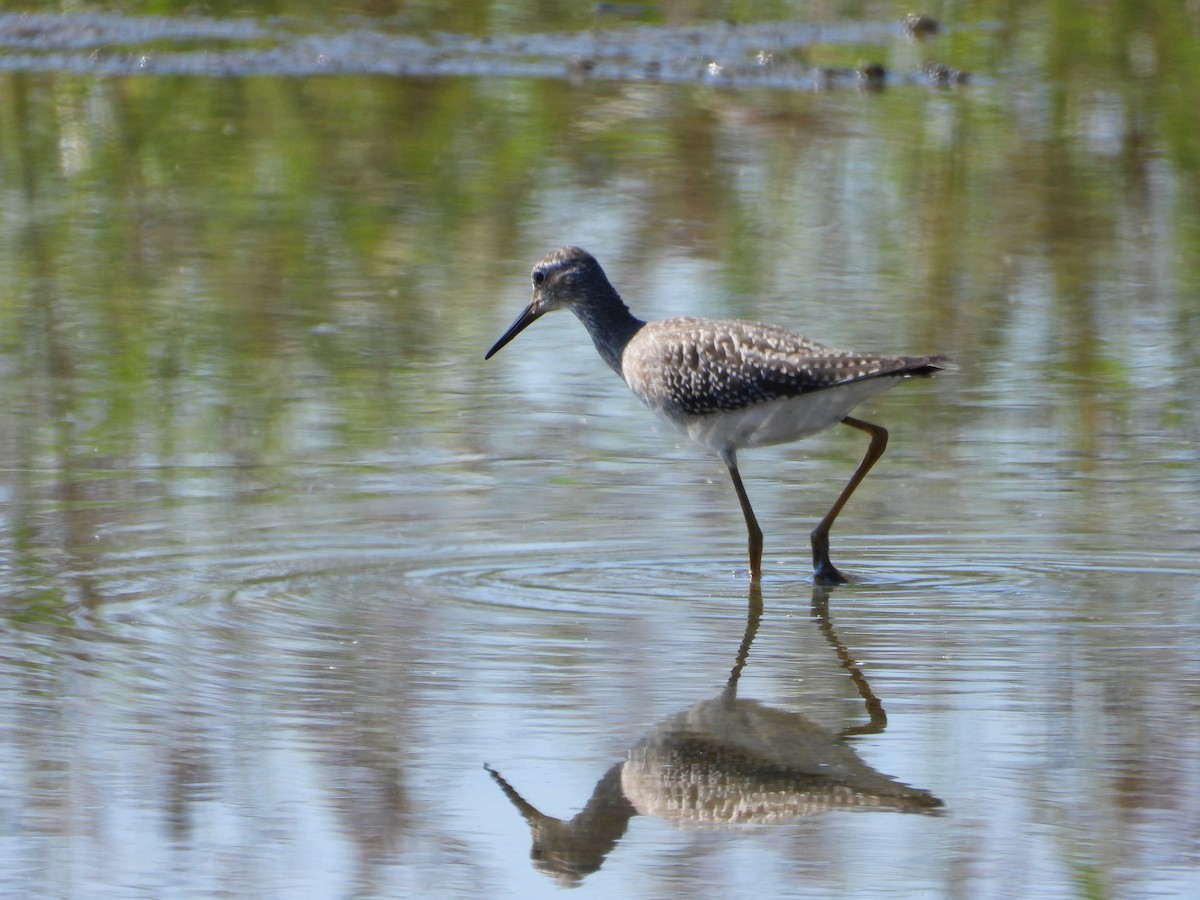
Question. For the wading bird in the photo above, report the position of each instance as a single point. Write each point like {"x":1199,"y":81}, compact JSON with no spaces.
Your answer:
{"x":728,"y":384}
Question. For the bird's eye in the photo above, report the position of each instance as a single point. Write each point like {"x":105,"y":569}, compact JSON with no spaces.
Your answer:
{"x":538,"y":277}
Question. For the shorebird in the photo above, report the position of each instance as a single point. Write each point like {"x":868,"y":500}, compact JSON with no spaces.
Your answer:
{"x":727,"y":383}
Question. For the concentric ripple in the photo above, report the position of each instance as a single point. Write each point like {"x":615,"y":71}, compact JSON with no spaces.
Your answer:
{"x":143,"y":578}
{"x":569,"y":577}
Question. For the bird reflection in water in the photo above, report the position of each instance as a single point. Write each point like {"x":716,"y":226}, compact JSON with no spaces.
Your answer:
{"x":725,"y":762}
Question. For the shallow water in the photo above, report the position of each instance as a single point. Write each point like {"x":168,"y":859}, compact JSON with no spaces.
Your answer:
{"x":289,"y":571}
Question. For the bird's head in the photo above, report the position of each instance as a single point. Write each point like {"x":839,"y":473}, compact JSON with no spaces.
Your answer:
{"x":566,"y":277}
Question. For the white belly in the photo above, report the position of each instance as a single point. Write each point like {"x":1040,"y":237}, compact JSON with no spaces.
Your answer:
{"x":779,"y":421}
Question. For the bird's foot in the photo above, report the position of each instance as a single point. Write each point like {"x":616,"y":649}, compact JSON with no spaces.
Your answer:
{"x":827,"y":573}
{"x":824,"y":571}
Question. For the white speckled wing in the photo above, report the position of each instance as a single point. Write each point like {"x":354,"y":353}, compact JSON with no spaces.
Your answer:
{"x":688,"y":366}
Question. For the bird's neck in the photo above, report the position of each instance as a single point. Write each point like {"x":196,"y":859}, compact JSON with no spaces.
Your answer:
{"x":610,"y":323}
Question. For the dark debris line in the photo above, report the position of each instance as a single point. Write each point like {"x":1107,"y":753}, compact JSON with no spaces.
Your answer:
{"x":756,"y":55}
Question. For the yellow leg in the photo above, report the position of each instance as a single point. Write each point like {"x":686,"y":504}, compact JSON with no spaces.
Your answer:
{"x":824,"y":571}
{"x":754,"y":532}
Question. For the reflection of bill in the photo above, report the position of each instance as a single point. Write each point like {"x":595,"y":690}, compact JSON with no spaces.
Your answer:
{"x":725,"y":762}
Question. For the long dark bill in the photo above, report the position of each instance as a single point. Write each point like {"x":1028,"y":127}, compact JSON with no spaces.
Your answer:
{"x":522,"y":321}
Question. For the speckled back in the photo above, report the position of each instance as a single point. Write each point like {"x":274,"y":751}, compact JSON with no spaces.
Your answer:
{"x":694,"y":366}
